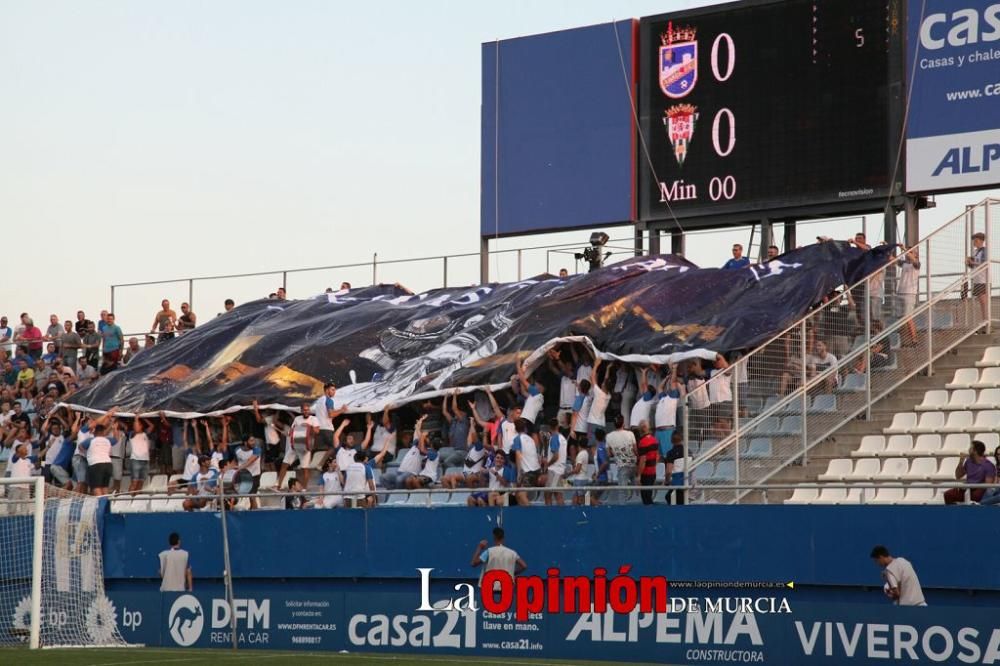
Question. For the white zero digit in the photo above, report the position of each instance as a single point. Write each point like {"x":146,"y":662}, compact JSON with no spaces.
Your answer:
{"x":731,"y":143}
{"x":722,"y":188}
{"x":731,"y":62}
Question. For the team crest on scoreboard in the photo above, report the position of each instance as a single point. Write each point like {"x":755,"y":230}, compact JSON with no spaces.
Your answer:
{"x":678,"y":61}
{"x":679,"y":122}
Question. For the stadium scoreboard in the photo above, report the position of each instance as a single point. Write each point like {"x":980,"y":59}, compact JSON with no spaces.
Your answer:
{"x":753,"y":108}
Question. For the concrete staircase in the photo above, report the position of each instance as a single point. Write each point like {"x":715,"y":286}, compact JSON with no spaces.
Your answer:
{"x":903,"y":399}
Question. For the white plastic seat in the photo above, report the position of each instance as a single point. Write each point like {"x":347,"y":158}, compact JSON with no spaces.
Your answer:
{"x":921,"y":469}
{"x":871,"y":445}
{"x":831,"y":496}
{"x":802,"y":496}
{"x":986,"y":421}
{"x":159,"y":503}
{"x":990,"y":378}
{"x":920,"y":496}
{"x":926,"y":445}
{"x":990,"y":439}
{"x":955,"y":444}
{"x":930,"y":422}
{"x":156,"y":484}
{"x":957,"y":422}
{"x":988,"y":399}
{"x":888,"y":496}
{"x":855,"y":496}
{"x":268,"y":479}
{"x":902,"y":423}
{"x":946,"y":469}
{"x":964,"y":378}
{"x":991,"y":358}
{"x":120,"y":506}
{"x":898,"y":445}
{"x":865,"y":469}
{"x":961,"y":399}
{"x":139,"y":505}
{"x":837,"y":469}
{"x":894,"y":469}
{"x":935,"y":401}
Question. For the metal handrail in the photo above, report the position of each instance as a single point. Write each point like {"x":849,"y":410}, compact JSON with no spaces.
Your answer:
{"x":735,"y":369}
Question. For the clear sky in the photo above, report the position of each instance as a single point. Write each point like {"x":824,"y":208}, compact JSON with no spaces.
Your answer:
{"x":152,"y":140}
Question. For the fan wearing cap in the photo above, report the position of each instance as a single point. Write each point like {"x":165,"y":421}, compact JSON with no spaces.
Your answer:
{"x":203,"y":486}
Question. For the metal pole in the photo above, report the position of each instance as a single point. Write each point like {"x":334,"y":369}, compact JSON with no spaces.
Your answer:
{"x":484,"y":260}
{"x":519,"y":264}
{"x":805,"y":394}
{"x":284,"y":280}
{"x":930,"y":313}
{"x":687,"y":450}
{"x":548,"y":269}
{"x":112,"y":298}
{"x":444,"y":267}
{"x":989,"y":270}
{"x":736,"y":421}
{"x":35,"y":641}
{"x":374,"y":268}
{"x":228,"y":573}
{"x":868,"y":350}
{"x":191,"y":293}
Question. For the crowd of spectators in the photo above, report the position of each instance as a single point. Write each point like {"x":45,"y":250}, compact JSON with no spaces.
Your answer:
{"x":562,"y":424}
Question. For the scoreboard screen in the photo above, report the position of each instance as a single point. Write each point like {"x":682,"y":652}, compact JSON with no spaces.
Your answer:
{"x":751,"y":108}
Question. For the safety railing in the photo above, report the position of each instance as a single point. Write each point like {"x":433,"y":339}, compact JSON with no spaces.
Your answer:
{"x":856,"y":348}
{"x":868,"y":492}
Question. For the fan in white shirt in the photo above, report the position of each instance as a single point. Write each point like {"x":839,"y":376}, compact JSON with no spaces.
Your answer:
{"x":300,"y":444}
{"x":533,"y":393}
{"x":556,"y":466}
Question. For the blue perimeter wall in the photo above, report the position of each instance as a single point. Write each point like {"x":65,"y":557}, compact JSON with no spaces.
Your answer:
{"x":811,"y":545}
{"x":347,"y":580}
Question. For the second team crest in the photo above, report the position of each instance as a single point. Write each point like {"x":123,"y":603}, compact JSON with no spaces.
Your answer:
{"x":679,"y":122}
{"x":678,"y":61}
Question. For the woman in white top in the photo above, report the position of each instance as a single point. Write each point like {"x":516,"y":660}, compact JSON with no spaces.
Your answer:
{"x":332,"y":483}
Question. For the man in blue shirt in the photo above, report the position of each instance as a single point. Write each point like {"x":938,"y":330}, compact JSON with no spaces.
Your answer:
{"x":113,"y":343}
{"x":738,"y":260}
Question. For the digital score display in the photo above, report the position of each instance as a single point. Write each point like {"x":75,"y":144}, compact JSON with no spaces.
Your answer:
{"x":751,"y":108}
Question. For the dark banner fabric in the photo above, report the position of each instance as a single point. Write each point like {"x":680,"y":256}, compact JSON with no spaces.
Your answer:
{"x":383,"y":346}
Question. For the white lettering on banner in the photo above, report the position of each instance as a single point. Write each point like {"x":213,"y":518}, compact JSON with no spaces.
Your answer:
{"x":960,"y":29}
{"x":970,"y":159}
{"x":186,"y":620}
{"x":256,"y":615}
{"x":884,"y":641}
{"x":699,"y":628}
{"x":451,"y":604}
{"x":412,"y":631}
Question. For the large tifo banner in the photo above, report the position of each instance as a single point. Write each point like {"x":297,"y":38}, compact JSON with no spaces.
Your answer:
{"x":953,"y":126}
{"x":702,"y":626}
{"x":382,"y":346}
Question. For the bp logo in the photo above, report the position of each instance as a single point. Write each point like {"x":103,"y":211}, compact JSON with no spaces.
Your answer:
{"x":186,"y":620}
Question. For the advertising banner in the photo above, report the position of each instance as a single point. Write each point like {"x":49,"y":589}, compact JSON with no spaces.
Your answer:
{"x":700,"y":626}
{"x":953,"y":125}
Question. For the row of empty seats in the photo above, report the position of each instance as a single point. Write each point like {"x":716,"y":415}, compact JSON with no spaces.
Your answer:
{"x":923,"y":445}
{"x":969,"y":399}
{"x":906,"y":423}
{"x":866,"y":496}
{"x":890,"y":469}
{"x":966,"y":378}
